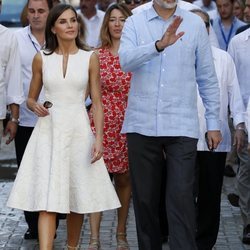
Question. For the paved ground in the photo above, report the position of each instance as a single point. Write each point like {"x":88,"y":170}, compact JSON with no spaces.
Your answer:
{"x":12,"y":225}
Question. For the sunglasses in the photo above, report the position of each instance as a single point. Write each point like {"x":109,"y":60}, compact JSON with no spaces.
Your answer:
{"x":130,"y":1}
{"x":48,"y":104}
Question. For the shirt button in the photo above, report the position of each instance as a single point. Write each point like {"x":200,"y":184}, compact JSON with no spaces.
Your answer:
{"x":162,"y":85}
{"x":163,"y":70}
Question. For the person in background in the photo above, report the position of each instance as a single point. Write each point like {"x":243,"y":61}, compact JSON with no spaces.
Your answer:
{"x":238,"y":9}
{"x":226,"y":24}
{"x":30,"y":40}
{"x":62,"y":170}
{"x":247,"y":12}
{"x":161,"y":116}
{"x":246,"y":18}
{"x":93,"y":19}
{"x":104,"y":4}
{"x":239,"y":50}
{"x":131,"y":4}
{"x":11,"y":88}
{"x":115,"y":87}
{"x":210,"y":164}
{"x":209,"y":6}
{"x":23,"y":16}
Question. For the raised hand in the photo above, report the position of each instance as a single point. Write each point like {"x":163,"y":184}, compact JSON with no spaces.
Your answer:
{"x":170,"y":36}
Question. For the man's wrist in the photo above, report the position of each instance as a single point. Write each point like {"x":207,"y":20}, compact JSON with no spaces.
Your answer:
{"x":241,"y":127}
{"x":157,"y":48}
{"x":15,"y":120}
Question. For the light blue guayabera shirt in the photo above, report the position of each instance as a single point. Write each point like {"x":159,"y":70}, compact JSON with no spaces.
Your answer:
{"x":162,"y":98}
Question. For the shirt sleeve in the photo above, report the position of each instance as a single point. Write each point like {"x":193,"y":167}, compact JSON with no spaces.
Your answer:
{"x":235,"y":100}
{"x":207,"y":81}
{"x":13,"y":75}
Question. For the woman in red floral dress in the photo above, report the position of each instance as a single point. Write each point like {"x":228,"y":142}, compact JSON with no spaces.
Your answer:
{"x":115,"y":86}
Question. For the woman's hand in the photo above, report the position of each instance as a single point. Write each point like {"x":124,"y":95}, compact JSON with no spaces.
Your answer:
{"x":97,"y":151}
{"x":40,"y":110}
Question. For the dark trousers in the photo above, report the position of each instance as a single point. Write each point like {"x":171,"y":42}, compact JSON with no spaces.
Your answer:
{"x":145,"y":161}
{"x":21,"y":141}
{"x":210,"y":169}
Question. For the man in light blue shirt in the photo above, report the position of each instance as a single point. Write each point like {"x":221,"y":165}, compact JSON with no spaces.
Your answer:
{"x":226,"y":24}
{"x":162,"y":115}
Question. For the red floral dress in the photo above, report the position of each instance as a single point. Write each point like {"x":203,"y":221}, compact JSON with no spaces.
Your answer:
{"x":114,"y":86}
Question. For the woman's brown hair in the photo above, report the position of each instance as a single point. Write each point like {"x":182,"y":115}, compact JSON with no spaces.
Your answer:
{"x":51,"y":42}
{"x":104,"y":33}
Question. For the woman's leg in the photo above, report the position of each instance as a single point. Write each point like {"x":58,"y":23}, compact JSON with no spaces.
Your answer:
{"x":123,"y":189}
{"x":46,"y":229}
{"x":95,"y":222}
{"x":74,"y":227}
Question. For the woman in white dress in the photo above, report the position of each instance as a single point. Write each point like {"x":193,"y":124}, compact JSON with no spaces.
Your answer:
{"x":62,"y":170}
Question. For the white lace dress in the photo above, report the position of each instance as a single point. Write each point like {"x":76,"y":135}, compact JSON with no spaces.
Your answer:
{"x":56,"y":174}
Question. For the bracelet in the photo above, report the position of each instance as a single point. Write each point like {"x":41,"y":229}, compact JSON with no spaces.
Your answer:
{"x":159,"y":50}
{"x":14,"y":120}
{"x":240,"y":128}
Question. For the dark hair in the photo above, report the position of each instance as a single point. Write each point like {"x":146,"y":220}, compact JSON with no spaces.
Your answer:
{"x":204,"y":13}
{"x":104,"y":33}
{"x":49,"y":2}
{"x":51,"y":42}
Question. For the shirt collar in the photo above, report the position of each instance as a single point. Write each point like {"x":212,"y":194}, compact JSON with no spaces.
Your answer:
{"x":33,"y":39}
{"x":151,"y":13}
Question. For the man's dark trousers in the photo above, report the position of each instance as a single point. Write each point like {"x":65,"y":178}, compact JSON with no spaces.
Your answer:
{"x":210,"y":171}
{"x":145,"y":161}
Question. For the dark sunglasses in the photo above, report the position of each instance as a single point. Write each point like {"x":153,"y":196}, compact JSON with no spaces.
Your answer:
{"x":130,"y":1}
{"x":48,"y":104}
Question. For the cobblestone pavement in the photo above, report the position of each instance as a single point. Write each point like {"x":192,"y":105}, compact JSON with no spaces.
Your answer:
{"x":13,"y":226}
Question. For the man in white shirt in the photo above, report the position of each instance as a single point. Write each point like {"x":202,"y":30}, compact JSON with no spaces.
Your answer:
{"x":11,"y":90}
{"x":239,"y":50}
{"x":209,"y":6}
{"x":30,"y":40}
{"x":93,"y":19}
{"x":210,"y":165}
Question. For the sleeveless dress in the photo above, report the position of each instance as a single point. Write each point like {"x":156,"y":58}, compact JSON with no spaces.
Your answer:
{"x":56,"y":173}
{"x":115,"y":87}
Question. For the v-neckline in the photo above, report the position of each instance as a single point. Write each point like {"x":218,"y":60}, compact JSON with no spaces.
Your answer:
{"x":64,"y":75}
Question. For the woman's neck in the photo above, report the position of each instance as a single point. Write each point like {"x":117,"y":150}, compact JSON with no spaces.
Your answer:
{"x":66,"y":47}
{"x":115,"y":46}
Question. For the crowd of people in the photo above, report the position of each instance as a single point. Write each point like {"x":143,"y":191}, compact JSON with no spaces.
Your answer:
{"x":109,"y":101}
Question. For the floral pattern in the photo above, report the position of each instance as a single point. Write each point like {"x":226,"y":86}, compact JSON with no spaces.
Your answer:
{"x":115,"y":86}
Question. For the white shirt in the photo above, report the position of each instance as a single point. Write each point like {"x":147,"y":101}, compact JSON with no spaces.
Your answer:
{"x":11,"y":89}
{"x":239,"y":49}
{"x":93,"y":27}
{"x":185,"y":6}
{"x":211,"y":9}
{"x":28,"y":46}
{"x":229,"y":95}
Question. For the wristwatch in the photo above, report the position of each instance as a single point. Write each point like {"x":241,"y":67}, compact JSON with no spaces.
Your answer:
{"x":158,"y":50}
{"x":241,"y":127}
{"x":14,"y":120}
